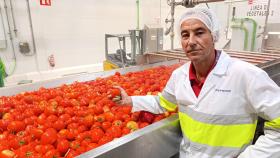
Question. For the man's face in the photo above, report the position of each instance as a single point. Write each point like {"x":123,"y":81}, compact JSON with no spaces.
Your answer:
{"x":197,"y":41}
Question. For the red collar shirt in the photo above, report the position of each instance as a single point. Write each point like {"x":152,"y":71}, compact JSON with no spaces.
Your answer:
{"x":195,"y":83}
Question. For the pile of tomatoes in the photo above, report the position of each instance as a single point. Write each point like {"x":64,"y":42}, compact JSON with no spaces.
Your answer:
{"x":71,"y":119}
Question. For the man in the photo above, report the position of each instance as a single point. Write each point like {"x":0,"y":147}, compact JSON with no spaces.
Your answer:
{"x":219,"y":98}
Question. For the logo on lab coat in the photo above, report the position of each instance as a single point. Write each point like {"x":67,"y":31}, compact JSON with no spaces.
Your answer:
{"x":223,"y":90}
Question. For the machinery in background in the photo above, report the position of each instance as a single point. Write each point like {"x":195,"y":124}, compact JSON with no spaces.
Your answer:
{"x":147,"y":39}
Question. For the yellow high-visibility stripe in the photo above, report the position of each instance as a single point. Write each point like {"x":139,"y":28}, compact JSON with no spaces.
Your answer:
{"x":166,"y":104}
{"x":217,"y":135}
{"x":274,"y":123}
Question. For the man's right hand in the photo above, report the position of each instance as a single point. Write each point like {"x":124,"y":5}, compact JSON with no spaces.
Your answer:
{"x":125,"y":99}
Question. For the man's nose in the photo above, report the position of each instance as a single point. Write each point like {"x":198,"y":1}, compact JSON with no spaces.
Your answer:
{"x":192,"y":41}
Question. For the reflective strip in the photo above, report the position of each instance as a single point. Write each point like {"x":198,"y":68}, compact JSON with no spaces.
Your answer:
{"x":171,"y":98}
{"x":273,"y":124}
{"x":219,"y":119}
{"x":166,"y":104}
{"x":212,"y":151}
{"x":217,"y":135}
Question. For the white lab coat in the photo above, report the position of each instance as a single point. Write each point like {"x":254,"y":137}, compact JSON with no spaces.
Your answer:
{"x":233,"y":87}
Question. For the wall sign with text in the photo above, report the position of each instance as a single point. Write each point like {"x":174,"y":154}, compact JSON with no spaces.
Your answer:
{"x":45,"y":2}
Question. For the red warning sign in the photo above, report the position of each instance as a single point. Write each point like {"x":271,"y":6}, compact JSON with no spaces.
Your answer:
{"x":45,"y":2}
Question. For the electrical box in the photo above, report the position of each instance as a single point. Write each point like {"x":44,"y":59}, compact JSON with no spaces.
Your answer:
{"x":153,"y":39}
{"x":273,"y":36}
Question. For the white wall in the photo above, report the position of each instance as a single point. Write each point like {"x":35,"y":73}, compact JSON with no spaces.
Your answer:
{"x":73,"y":31}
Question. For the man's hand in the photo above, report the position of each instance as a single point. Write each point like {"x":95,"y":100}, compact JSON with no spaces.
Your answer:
{"x":125,"y":99}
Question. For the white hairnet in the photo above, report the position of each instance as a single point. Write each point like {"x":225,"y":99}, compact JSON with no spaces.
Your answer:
{"x":204,"y":15}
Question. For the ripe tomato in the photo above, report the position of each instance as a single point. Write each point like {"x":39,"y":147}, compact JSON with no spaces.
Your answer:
{"x":75,"y":144}
{"x":88,"y":120}
{"x":16,"y":126}
{"x":100,"y":118}
{"x":51,"y":118}
{"x":106,"y":125}
{"x":109,"y":116}
{"x":36,"y":132}
{"x":91,"y":146}
{"x":105,"y":139}
{"x":3,"y":124}
{"x":118,"y":123}
{"x":64,"y":117}
{"x":62,"y":146}
{"x":53,"y":153}
{"x":114,"y":131}
{"x":49,"y":136}
{"x":135,"y":116}
{"x":58,"y":125}
{"x":96,"y":134}
{"x":143,"y":124}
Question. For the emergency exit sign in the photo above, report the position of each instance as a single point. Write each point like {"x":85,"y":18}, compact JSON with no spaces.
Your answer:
{"x":45,"y":2}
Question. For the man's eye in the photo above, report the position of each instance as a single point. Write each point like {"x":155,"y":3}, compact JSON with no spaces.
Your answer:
{"x":200,"y":33}
{"x":185,"y":35}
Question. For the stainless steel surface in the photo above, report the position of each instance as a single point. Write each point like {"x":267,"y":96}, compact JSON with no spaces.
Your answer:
{"x":153,"y":39}
{"x":272,"y":40}
{"x":159,"y":140}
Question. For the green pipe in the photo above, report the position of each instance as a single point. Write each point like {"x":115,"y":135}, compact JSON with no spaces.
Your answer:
{"x":246,"y":34}
{"x":253,"y":37}
{"x":138,"y":18}
{"x":3,"y":73}
{"x":254,"y":33}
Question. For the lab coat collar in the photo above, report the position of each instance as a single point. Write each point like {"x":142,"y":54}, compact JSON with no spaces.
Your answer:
{"x":222,"y":64}
{"x":220,"y":68}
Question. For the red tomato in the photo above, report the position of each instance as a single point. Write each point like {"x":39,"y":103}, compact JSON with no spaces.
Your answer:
{"x":62,"y":146}
{"x":42,"y":119}
{"x":58,"y":125}
{"x":49,"y":136}
{"x":36,"y":132}
{"x":92,"y":146}
{"x":88,"y":120}
{"x":52,"y":154}
{"x":100,"y":118}
{"x":135,"y":116}
{"x":96,"y":134}
{"x":16,"y":126}
{"x":143,"y":124}
{"x":51,"y":118}
{"x":64,"y":117}
{"x":109,"y":116}
{"x":75,"y":144}
{"x":118,"y":123}
{"x":105,"y":139}
{"x":114,"y":131}
{"x":106,"y":125}
{"x":96,"y":125}
{"x":82,"y":128}
{"x":3,"y":124}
